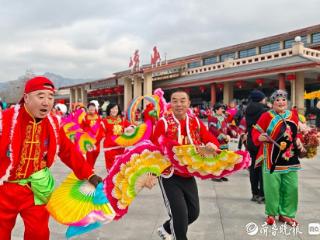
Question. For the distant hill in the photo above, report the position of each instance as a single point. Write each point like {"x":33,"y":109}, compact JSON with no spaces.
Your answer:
{"x":60,"y":81}
{"x":11,"y":91}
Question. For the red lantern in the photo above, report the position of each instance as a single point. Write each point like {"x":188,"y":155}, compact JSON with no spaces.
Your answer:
{"x":291,"y":77}
{"x":240,"y":84}
{"x":220,"y":86}
{"x":202,"y":88}
{"x":260,"y":82}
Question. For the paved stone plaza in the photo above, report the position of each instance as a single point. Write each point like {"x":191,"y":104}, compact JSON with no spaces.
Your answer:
{"x":226,"y":209}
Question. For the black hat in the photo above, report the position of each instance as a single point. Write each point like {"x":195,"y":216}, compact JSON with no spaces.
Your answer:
{"x":257,"y":96}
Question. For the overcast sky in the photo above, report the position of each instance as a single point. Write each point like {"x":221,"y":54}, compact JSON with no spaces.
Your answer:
{"x":94,"y":38}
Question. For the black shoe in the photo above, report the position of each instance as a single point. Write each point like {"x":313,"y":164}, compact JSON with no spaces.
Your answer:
{"x":260,"y":199}
{"x":254,"y":198}
{"x":225,"y":179}
{"x":216,"y":179}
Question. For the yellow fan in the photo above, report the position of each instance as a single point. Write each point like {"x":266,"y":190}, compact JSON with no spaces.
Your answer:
{"x":72,"y":204}
{"x":200,"y":162}
{"x":138,"y":134}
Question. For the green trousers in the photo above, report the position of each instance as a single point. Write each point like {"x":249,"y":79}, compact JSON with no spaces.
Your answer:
{"x":281,"y":193}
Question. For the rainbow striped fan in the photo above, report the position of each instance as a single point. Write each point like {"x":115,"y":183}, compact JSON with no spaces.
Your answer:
{"x":139,"y":133}
{"x":77,"y":203}
{"x":199,"y":162}
{"x":134,"y":104}
{"x":131,"y":172}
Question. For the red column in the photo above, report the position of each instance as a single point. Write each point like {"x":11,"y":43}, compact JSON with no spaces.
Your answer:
{"x":213,"y":93}
{"x":282,"y":81}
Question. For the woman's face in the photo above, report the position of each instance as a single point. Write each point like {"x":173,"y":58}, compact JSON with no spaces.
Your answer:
{"x":280,"y":104}
{"x":91,"y":110}
{"x":114,"y":111}
{"x":220,"y":111}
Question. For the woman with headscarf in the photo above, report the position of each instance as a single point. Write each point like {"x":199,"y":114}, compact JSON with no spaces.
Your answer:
{"x":218,"y":126}
{"x":276,"y":135}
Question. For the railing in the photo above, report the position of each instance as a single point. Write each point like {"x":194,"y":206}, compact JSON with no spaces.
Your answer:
{"x":308,"y":52}
{"x":206,"y":68}
{"x":229,"y":63}
{"x":262,"y":57}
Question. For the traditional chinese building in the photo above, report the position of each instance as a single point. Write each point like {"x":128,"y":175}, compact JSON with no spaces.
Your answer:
{"x":288,"y":61}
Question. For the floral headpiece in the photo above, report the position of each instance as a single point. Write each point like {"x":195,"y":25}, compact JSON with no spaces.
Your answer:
{"x":278,"y":94}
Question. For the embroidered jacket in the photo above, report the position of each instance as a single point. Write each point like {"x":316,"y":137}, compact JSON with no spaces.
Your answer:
{"x":283,"y":130}
{"x":218,"y":126}
{"x":114,"y":126}
{"x":187,"y":131}
{"x":27,"y":146}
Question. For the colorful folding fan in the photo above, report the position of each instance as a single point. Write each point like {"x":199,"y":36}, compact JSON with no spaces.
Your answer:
{"x":140,"y":133}
{"x":71,"y":128}
{"x":130,"y":172}
{"x":134,"y":104}
{"x":78,"y":203}
{"x":79,"y":115}
{"x":159,"y":94}
{"x":85,"y":141}
{"x":189,"y":160}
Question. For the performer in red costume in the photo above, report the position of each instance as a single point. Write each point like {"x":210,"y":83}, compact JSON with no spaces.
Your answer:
{"x":93,"y":123}
{"x":218,"y":126}
{"x":180,"y":191}
{"x":114,"y":126}
{"x":30,"y":140}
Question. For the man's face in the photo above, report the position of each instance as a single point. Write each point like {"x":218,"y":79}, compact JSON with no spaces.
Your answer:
{"x":280,"y":104}
{"x":180,"y":103}
{"x":39,"y":103}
